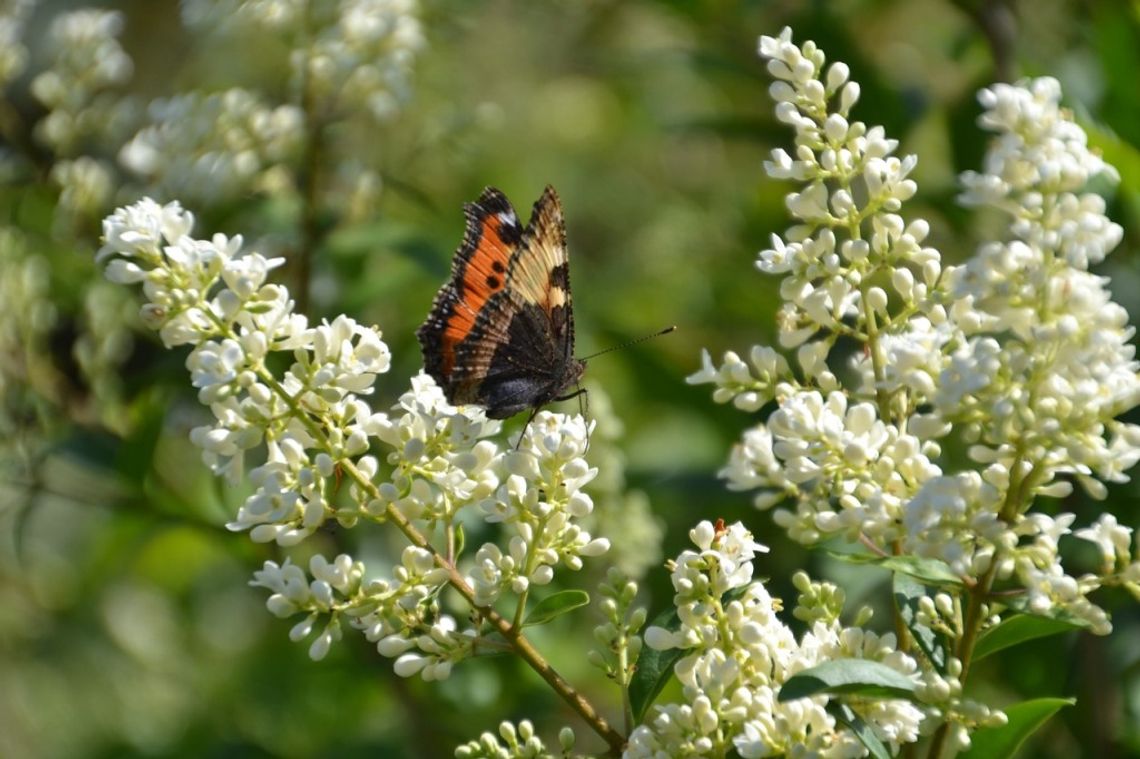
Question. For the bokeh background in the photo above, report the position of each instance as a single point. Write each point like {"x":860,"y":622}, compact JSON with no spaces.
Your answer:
{"x":126,"y":624}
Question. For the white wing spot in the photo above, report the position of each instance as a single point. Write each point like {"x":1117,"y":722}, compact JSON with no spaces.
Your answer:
{"x":508,"y":218}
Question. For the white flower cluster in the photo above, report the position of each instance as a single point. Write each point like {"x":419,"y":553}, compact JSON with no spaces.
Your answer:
{"x":364,"y":61}
{"x":1050,"y":363}
{"x":353,"y":55}
{"x":738,"y":654}
{"x":515,"y":743}
{"x":212,"y":148}
{"x":206,"y":293}
{"x":344,"y":57}
{"x":539,"y":503}
{"x":13,"y":54}
{"x":1020,"y":354}
{"x":439,"y":457}
{"x":338,"y":590}
{"x":317,"y":430}
{"x":87,"y":62}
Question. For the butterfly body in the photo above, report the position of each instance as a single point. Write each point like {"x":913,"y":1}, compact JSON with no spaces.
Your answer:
{"x":501,"y":331}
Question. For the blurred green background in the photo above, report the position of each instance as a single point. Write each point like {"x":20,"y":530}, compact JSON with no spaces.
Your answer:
{"x":126,"y":624}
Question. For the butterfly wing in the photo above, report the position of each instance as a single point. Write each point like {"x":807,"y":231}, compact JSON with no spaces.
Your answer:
{"x":501,"y":332}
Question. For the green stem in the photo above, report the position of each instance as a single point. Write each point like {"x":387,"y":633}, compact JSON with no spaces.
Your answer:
{"x":520,"y":609}
{"x":1015,"y":496}
{"x":623,"y":668}
{"x":972,"y":627}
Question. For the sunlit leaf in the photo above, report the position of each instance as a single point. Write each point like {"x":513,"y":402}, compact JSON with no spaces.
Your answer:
{"x":932,"y":571}
{"x":907,"y":593}
{"x":654,"y":668}
{"x":555,"y":606}
{"x":1018,"y":629}
{"x":845,"y":715}
{"x":859,"y":677}
{"x":1024,"y":719}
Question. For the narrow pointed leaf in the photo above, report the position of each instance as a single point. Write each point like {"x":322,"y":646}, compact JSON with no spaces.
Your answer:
{"x":654,"y":668}
{"x":555,"y":606}
{"x":931,"y":571}
{"x":848,"y":676}
{"x":1021,"y":603}
{"x":460,"y":540}
{"x":846,"y":716}
{"x":1018,"y":629}
{"x":907,"y":592}
{"x":1024,"y":720}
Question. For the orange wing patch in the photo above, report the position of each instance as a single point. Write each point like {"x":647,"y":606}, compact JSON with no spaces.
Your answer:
{"x":484,"y":274}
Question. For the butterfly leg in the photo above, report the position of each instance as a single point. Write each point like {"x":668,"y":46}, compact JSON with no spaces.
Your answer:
{"x":533,"y":413}
{"x":579,"y":392}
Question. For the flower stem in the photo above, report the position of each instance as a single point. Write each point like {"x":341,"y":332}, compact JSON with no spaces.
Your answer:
{"x":1016,"y":495}
{"x":522,"y":646}
{"x":972,"y":627}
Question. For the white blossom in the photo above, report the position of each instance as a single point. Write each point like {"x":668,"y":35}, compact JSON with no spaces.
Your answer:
{"x":540,"y":505}
{"x":77,"y":89}
{"x":1018,"y":358}
{"x":350,"y":55}
{"x":13,"y":54}
{"x":211,"y":148}
{"x":319,"y":435}
{"x":1112,"y":538}
{"x":737,"y":654}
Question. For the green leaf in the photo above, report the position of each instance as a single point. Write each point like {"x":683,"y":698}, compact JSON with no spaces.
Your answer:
{"x":1024,"y":719}
{"x":1020,"y":603}
{"x":555,"y":606}
{"x":654,"y":668}
{"x":930,"y":571}
{"x":846,"y":716}
{"x":848,"y":676}
{"x":908,"y":592}
{"x":1018,"y":629}
{"x":460,"y":540}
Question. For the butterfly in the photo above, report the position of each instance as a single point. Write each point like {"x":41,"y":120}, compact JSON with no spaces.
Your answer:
{"x":500,"y":333}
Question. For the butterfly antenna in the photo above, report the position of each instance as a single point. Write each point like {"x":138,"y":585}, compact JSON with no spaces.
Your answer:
{"x":622,"y":346}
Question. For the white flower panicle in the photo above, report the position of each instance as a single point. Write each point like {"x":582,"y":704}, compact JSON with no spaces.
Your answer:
{"x":351,"y":55}
{"x":213,"y":148}
{"x":539,"y":505}
{"x":329,"y":456}
{"x":748,"y":388}
{"x":208,"y":294}
{"x":439,"y":455}
{"x":1020,"y":354}
{"x":364,"y":61}
{"x":342,"y":60}
{"x":87,"y":64}
{"x":338,"y":593}
{"x":13,"y":54}
{"x":738,"y":654}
